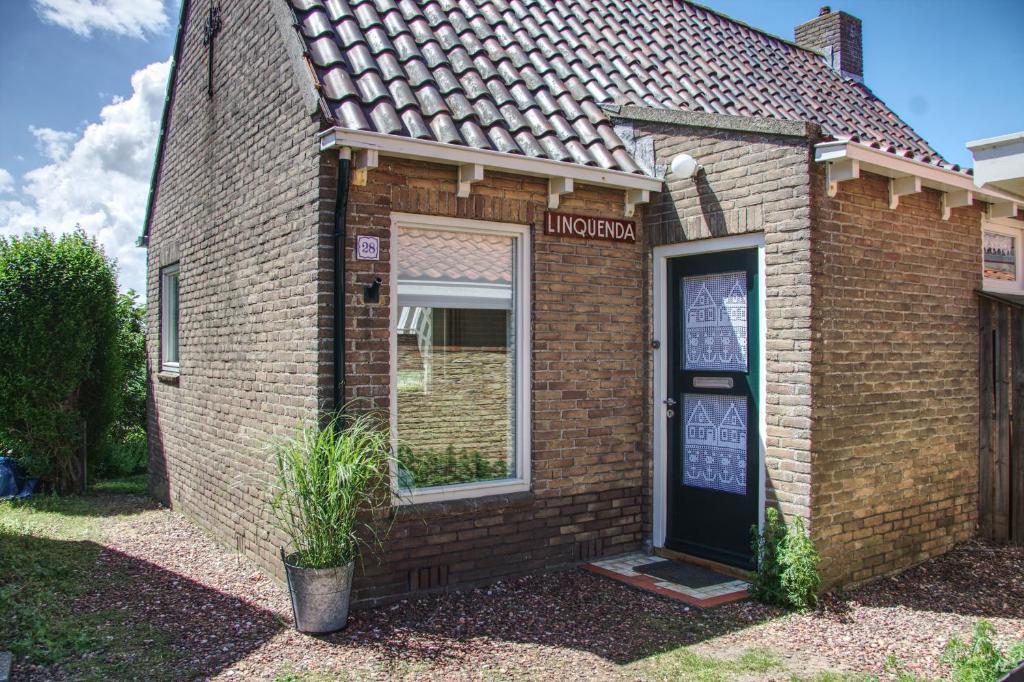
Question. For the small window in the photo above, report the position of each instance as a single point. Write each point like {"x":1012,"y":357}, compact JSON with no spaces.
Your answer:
{"x":1002,"y":269}
{"x":460,"y":362}
{"x":169,"y":318}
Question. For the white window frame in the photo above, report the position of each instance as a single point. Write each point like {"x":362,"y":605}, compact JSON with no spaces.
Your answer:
{"x":523,"y":317}
{"x":166,"y":273}
{"x":1011,"y":228}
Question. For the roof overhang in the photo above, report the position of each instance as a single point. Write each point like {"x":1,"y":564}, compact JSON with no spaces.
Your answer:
{"x":999,"y":162}
{"x":845,"y":160}
{"x":474,"y":163}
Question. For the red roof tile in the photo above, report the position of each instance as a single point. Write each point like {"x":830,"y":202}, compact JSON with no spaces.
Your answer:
{"x":528,"y":76}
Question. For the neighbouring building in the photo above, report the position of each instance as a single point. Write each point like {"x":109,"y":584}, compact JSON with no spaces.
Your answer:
{"x":622,"y":274}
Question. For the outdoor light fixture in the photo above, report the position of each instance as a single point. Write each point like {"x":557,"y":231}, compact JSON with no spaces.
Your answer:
{"x":371,"y":292}
{"x":685,"y":166}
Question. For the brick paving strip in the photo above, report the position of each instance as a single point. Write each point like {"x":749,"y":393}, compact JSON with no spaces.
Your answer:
{"x":223,"y":619}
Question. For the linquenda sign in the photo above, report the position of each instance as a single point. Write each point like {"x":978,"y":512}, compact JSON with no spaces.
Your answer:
{"x":589,"y":227}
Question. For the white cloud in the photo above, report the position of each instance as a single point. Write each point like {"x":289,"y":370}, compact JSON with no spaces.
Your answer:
{"x":53,"y":144}
{"x":132,"y":18}
{"x":101,"y":181}
{"x":6,"y":181}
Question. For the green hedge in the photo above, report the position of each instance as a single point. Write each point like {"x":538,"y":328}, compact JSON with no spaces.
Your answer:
{"x":60,"y":369}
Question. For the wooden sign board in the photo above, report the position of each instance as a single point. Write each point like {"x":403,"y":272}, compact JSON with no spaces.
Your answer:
{"x":589,"y":227}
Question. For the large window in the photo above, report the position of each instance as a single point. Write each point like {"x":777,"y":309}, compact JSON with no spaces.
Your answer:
{"x":460,"y":358}
{"x":169,"y":318}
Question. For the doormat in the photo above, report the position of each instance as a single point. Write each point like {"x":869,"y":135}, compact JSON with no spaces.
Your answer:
{"x":687,"y":575}
{"x":693,"y":585}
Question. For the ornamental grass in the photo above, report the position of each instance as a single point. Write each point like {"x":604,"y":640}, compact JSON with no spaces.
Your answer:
{"x":331,"y":482}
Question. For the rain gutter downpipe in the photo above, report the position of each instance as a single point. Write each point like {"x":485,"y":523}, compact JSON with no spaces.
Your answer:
{"x":340,"y":235}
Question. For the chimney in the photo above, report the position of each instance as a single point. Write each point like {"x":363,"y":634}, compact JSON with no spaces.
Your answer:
{"x":837,"y":36}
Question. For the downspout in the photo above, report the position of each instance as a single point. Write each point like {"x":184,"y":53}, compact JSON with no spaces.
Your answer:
{"x":340,"y":230}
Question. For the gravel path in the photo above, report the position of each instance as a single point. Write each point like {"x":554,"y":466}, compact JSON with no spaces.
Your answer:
{"x":223,"y":619}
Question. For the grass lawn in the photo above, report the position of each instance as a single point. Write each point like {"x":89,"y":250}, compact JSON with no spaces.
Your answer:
{"x":50,"y":549}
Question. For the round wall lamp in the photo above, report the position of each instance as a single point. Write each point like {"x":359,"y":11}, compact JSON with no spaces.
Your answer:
{"x":685,"y":166}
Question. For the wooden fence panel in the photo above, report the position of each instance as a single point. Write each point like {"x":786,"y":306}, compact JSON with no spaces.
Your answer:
{"x":1000,"y":475}
{"x":1001,"y":433}
{"x":1015,"y":469}
{"x":986,"y":456}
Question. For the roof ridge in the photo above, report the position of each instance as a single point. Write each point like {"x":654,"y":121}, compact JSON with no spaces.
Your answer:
{"x":755,"y":29}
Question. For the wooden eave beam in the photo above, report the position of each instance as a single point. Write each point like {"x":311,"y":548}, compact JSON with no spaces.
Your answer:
{"x":363,"y":160}
{"x":955,"y":199}
{"x":633,"y":198}
{"x":1003,"y":209}
{"x":556,"y":188}
{"x":468,"y":174}
{"x":898,"y":187}
{"x":840,"y":171}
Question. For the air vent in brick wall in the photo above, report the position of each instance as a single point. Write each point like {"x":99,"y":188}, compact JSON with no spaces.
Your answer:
{"x":586,"y":550}
{"x":428,"y":577}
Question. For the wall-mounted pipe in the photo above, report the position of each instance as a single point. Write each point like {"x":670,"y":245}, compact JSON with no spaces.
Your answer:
{"x":340,"y":236}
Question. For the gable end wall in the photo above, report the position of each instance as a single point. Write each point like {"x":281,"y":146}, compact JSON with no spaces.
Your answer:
{"x":238,"y":206}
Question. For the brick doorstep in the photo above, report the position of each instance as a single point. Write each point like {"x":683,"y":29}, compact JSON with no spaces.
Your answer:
{"x":650,"y":584}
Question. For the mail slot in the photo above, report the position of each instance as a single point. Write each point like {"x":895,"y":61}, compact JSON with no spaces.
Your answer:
{"x":712,"y":382}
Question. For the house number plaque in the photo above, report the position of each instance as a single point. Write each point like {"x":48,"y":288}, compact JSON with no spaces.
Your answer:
{"x":367,"y":247}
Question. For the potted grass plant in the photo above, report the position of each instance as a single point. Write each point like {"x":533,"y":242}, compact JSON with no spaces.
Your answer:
{"x":331,"y":482}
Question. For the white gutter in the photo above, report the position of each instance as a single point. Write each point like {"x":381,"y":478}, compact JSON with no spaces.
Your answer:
{"x":474,"y":162}
{"x":846,"y":159}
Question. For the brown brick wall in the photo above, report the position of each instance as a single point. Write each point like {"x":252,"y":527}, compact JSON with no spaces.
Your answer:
{"x":755,"y":182}
{"x":895,"y":362}
{"x":250,"y":222}
{"x":237,"y":207}
{"x":587,"y":388}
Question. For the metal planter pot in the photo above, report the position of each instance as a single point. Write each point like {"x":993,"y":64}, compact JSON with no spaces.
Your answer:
{"x":320,"y":596}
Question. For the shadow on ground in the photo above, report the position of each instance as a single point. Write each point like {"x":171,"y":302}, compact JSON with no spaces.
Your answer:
{"x":136,"y":619}
{"x":975,"y":579}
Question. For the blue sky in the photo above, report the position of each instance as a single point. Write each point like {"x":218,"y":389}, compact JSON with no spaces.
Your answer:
{"x":81,"y":86}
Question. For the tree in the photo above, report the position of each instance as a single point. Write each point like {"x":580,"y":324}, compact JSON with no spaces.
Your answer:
{"x":124,"y":451}
{"x":60,"y":368}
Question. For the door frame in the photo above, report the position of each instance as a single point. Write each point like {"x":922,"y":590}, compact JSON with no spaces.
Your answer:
{"x":662,"y":254}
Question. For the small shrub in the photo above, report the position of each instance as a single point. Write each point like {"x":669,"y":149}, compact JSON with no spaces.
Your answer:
{"x":428,"y":468}
{"x":124,"y":452}
{"x":799,"y":558}
{"x":980,"y":660}
{"x":787,"y":564}
{"x":767,"y":584}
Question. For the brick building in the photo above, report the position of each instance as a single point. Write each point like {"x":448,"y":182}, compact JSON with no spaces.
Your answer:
{"x":621,"y":275}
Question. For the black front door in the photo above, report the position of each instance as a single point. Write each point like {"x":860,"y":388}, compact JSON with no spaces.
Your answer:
{"x":714,"y":477}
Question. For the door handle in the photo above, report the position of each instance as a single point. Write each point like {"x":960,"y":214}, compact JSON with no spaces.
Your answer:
{"x":670,"y":402}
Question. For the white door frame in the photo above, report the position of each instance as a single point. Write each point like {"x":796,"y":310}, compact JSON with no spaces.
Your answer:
{"x":662,"y":254}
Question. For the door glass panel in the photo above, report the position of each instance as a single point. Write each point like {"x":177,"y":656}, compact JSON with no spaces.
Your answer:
{"x":715,"y":442}
{"x":715,"y":322}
